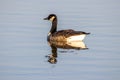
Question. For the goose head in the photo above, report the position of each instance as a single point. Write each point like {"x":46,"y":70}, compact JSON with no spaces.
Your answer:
{"x":51,"y":17}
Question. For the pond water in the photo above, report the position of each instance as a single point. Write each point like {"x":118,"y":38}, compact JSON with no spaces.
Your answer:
{"x":25,"y":52}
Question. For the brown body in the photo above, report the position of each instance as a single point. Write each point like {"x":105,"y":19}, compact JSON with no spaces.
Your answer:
{"x":62,"y":35}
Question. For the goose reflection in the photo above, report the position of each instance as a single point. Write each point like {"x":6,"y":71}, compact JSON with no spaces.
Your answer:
{"x":52,"y":58}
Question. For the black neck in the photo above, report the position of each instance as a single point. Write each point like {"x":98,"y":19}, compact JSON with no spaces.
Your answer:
{"x":54,"y":26}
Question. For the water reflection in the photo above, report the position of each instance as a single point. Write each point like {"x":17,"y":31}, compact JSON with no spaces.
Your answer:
{"x":69,"y":45}
{"x":77,"y":45}
{"x":52,"y":58}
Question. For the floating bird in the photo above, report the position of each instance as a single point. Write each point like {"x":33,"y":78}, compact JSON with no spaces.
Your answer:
{"x":63,"y":35}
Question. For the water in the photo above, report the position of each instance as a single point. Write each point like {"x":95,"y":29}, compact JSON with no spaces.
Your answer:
{"x":23,"y":45}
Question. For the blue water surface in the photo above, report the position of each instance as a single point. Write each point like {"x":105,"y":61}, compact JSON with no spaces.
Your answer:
{"x":23,"y":44}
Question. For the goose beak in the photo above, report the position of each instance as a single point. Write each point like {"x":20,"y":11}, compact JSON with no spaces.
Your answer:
{"x":46,"y":18}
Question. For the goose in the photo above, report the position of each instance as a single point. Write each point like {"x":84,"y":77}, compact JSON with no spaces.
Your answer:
{"x":63,"y":35}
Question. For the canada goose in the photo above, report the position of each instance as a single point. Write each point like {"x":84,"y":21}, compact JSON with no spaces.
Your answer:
{"x":63,"y":35}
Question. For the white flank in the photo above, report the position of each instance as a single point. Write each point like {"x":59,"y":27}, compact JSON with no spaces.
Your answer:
{"x":76,"y":38}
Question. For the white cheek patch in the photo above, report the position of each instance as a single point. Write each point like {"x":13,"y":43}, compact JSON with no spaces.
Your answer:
{"x":52,"y":18}
{"x":76,"y":38}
